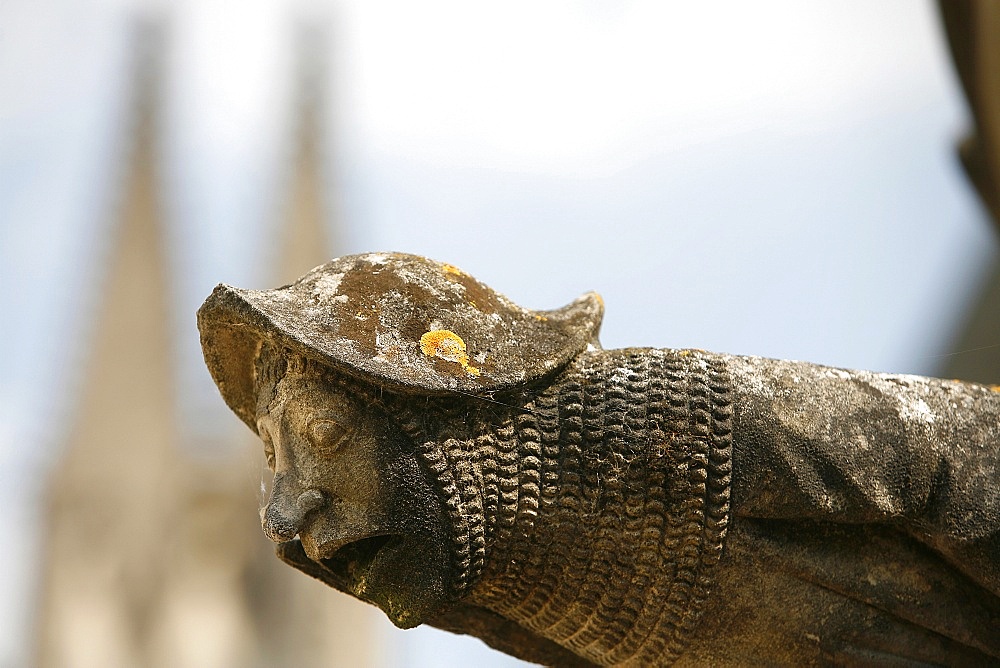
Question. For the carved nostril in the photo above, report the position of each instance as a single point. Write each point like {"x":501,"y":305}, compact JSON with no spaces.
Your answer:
{"x":310,"y":500}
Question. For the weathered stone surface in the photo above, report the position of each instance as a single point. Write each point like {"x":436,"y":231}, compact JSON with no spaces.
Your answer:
{"x":394,"y":319}
{"x":460,"y":461}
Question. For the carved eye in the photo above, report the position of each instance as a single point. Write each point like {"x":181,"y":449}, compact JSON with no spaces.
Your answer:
{"x":326,"y":434}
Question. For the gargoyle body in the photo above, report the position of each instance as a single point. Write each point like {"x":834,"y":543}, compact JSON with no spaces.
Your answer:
{"x":460,"y":461}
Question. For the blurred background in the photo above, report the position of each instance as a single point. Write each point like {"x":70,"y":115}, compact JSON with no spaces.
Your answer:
{"x":773,"y":178}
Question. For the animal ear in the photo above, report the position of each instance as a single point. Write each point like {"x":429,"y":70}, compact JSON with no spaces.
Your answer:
{"x":395,"y":320}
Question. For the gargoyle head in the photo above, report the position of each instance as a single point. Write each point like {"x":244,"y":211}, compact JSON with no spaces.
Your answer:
{"x":318,"y":368}
{"x":348,"y":485}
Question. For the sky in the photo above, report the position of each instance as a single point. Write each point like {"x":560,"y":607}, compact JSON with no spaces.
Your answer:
{"x":775,"y":179}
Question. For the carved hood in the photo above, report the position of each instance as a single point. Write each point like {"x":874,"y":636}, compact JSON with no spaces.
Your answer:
{"x":397,"y":320}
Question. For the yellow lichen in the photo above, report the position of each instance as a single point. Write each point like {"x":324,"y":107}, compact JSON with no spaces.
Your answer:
{"x":449,"y":346}
{"x":452,"y":269}
{"x":995,"y":388}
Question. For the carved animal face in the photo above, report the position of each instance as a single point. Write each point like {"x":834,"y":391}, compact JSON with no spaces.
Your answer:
{"x":348,"y":485}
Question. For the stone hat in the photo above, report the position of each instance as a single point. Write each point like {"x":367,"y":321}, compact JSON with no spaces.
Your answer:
{"x":400,"y":321}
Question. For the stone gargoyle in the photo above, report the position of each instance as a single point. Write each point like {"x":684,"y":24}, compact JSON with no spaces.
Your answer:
{"x":460,"y":461}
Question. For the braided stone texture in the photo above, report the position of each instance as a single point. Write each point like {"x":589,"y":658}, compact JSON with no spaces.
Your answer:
{"x":594,"y":515}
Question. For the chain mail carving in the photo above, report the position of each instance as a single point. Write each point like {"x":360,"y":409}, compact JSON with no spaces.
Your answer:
{"x":630,"y":448}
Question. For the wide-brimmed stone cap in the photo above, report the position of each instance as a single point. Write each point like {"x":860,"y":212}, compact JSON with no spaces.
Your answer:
{"x":400,"y":321}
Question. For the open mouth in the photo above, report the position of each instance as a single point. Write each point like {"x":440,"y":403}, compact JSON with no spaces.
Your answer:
{"x":350,"y":560}
{"x":399,"y":573}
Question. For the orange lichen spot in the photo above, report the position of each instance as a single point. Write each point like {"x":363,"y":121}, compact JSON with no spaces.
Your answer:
{"x":452,"y":269}
{"x":540,"y":318}
{"x":995,"y":388}
{"x":600,"y":299}
{"x":447,"y":345}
